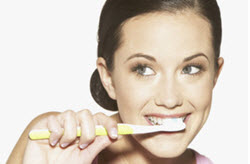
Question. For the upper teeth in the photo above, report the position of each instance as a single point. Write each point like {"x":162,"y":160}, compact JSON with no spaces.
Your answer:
{"x":166,"y":121}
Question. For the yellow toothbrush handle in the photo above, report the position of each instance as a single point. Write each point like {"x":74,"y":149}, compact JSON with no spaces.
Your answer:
{"x":100,"y":131}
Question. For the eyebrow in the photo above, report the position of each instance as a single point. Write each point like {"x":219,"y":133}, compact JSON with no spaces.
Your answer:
{"x":151,"y":58}
{"x":195,"y":56}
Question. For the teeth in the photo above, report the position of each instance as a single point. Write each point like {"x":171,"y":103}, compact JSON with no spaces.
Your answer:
{"x":155,"y":119}
{"x":159,"y":121}
{"x":166,"y":121}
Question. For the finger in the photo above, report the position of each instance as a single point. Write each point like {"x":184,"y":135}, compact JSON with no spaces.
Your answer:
{"x":100,"y":143}
{"x":70,"y":126}
{"x":87,"y":124}
{"x":109,"y":123}
{"x":55,"y":129}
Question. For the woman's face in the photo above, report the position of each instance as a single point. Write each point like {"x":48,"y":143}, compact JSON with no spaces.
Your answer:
{"x":165,"y":68}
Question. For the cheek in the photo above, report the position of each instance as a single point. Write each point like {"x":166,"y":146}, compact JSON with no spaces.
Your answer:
{"x":199,"y":94}
{"x":131,"y":98}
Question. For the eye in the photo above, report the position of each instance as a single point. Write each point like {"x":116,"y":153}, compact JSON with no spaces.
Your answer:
{"x":191,"y":70}
{"x":143,"y":70}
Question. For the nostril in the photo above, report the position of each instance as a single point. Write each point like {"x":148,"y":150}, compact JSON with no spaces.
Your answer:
{"x":169,"y":102}
{"x":169,"y":93}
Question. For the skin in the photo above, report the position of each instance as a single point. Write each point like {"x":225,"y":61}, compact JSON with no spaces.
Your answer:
{"x":163,"y":84}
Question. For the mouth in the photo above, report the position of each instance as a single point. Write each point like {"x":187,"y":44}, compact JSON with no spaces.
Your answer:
{"x":156,"y":119}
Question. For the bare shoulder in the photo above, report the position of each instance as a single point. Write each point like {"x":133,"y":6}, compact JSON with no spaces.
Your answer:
{"x":17,"y":153}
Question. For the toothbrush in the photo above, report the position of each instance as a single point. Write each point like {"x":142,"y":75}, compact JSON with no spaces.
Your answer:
{"x":123,"y":129}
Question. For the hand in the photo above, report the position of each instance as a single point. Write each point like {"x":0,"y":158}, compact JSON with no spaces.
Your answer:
{"x":63,"y":145}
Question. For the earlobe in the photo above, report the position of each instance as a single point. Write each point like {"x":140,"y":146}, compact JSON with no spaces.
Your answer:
{"x":220,"y":62}
{"x":106,"y":77}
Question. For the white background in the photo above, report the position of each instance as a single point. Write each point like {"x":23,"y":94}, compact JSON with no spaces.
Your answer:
{"x":48,"y":53}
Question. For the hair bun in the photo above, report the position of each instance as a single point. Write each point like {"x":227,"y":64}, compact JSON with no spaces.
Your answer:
{"x":99,"y":93}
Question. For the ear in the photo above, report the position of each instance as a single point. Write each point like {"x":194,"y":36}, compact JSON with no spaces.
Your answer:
{"x":220,"y":62}
{"x":106,"y":78}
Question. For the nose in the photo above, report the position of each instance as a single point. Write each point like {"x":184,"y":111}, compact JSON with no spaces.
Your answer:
{"x":169,"y":94}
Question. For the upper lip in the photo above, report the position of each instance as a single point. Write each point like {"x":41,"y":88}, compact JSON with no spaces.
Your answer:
{"x":166,"y":115}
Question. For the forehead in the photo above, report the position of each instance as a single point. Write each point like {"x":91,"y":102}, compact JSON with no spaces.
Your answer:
{"x":164,"y":34}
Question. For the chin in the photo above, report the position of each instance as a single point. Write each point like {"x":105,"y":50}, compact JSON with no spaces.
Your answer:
{"x":163,"y":148}
{"x":160,"y":151}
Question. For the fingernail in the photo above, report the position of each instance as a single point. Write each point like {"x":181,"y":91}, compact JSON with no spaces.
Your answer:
{"x":53,"y":143}
{"x":64,"y":145}
{"x":113,"y":133}
{"x":82,"y":146}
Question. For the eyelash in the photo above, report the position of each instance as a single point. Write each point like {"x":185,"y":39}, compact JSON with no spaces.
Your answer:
{"x":142,"y":66}
{"x":197,"y":65}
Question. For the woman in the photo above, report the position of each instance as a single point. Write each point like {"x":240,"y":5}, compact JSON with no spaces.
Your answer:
{"x":157,"y":59}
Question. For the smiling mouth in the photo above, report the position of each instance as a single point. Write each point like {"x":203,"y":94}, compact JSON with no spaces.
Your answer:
{"x":161,"y":120}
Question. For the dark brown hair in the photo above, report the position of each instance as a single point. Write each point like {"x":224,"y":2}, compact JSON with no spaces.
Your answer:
{"x":116,"y":12}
